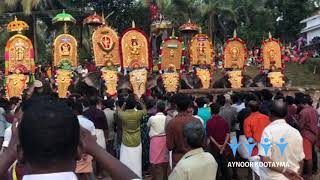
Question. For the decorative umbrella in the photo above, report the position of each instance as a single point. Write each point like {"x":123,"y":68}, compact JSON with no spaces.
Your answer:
{"x":93,"y":20}
{"x":189,"y":27}
{"x":64,"y":18}
{"x":17,"y":26}
{"x":187,"y":30}
{"x":161,"y":24}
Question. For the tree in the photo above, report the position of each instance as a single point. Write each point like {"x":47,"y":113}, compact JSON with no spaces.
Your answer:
{"x":217,"y":11}
{"x":289,"y":14}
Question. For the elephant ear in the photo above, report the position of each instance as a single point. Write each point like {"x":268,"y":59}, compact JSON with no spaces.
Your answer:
{"x":93,"y":79}
{"x":152,"y":81}
{"x":222,"y":83}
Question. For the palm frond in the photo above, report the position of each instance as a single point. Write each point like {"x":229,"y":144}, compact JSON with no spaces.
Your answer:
{"x":11,"y":3}
{"x":28,"y":5}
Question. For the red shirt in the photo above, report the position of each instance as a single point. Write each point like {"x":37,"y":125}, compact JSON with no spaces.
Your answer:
{"x":217,"y":128}
{"x":308,"y":123}
{"x":290,"y":118}
{"x":253,"y":127}
{"x":175,"y":138}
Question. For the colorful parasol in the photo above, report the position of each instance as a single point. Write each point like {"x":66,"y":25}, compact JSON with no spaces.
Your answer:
{"x":93,"y":20}
{"x":17,"y":26}
{"x":63,"y":17}
{"x":161,"y":24}
{"x":189,"y":27}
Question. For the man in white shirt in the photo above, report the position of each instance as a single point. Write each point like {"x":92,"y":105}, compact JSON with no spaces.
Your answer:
{"x":281,"y":143}
{"x":159,"y":154}
{"x":195,"y":164}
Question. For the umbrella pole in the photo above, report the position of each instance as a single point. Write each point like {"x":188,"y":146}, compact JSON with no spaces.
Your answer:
{"x":65,"y":29}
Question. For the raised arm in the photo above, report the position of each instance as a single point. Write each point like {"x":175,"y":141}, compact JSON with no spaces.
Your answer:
{"x":116,"y":169}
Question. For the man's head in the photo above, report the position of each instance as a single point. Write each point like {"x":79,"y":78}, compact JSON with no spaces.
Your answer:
{"x":266,"y":95}
{"x":221,"y":100}
{"x":201,"y":101}
{"x":109,"y":103}
{"x":120,"y":101}
{"x":131,"y":102}
{"x":183,"y":102}
{"x":215,"y":108}
{"x":194,"y":134}
{"x":161,"y":106}
{"x":254,"y":106}
{"x":93,"y":100}
{"x":76,"y":107}
{"x":49,"y":134}
{"x":306,"y":100}
{"x":235,"y":98}
{"x":289,"y":100}
{"x":278,"y":110}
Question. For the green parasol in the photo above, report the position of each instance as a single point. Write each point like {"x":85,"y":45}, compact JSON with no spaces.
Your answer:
{"x":64,"y":18}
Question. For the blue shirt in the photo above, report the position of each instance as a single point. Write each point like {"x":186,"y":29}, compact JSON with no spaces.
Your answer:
{"x":205,"y":114}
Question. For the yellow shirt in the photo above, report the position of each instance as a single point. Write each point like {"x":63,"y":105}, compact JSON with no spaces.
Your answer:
{"x":195,"y":165}
{"x":131,"y":120}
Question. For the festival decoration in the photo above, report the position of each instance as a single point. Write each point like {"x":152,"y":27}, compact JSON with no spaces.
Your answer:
{"x":93,"y":20}
{"x":65,"y":49}
{"x":65,"y":55}
{"x":235,"y":78}
{"x":15,"y":84}
{"x":161,"y":24}
{"x":201,"y":56}
{"x":276,"y":79}
{"x":235,"y":56}
{"x":271,"y":54}
{"x":111,"y":79}
{"x":201,"y":50}
{"x":19,"y":59}
{"x":189,"y":27}
{"x":138,"y":80}
{"x":106,"y":50}
{"x":171,"y":57}
{"x":171,"y":81}
{"x":204,"y":76}
{"x":63,"y":81}
{"x":135,"y":48}
{"x":136,"y":57}
{"x":187,"y":31}
{"x":106,"y":47}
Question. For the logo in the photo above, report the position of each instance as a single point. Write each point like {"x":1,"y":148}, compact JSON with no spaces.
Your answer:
{"x":266,"y":145}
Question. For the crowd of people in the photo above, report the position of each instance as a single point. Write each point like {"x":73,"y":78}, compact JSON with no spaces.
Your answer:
{"x":158,"y":136}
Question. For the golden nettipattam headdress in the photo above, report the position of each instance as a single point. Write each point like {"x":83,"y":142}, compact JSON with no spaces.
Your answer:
{"x":106,"y":46}
{"x":65,"y":49}
{"x":235,"y":53}
{"x":201,"y":50}
{"x":135,"y":49}
{"x":271,"y":54}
